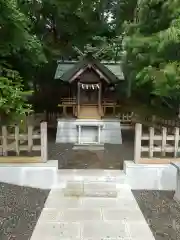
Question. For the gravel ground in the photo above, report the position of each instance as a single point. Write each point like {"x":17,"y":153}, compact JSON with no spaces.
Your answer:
{"x":161,"y":212}
{"x":20,"y":208}
{"x":112,"y":157}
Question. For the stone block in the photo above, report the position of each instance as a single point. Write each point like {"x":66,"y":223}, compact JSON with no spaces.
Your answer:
{"x":74,"y":189}
{"x":100,"y":190}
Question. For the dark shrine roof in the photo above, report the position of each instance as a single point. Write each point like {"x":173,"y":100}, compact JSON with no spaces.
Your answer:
{"x":67,"y":69}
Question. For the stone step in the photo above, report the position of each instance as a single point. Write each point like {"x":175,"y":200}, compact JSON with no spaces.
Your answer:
{"x":92,"y":175}
{"x":90,"y":147}
{"x":85,"y":189}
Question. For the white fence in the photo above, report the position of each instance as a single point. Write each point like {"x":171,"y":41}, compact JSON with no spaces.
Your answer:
{"x":157,"y":143}
{"x":13,"y":140}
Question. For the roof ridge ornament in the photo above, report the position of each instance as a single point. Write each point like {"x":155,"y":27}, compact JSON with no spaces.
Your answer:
{"x":89,"y":53}
{"x":79,"y":51}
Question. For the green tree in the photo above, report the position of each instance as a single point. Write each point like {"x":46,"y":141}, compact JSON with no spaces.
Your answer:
{"x":13,"y":98}
{"x":152,"y":43}
{"x":20,"y":51}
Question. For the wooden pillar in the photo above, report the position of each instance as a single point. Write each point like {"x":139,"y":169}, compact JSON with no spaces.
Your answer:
{"x":64,"y":111}
{"x":114,"y":110}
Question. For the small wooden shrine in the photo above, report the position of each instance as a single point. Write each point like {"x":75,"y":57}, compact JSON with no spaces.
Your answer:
{"x":89,"y":87}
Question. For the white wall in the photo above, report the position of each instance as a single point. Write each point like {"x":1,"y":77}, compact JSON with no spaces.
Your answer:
{"x":38,"y":177}
{"x":150,"y":176}
{"x":46,"y":175}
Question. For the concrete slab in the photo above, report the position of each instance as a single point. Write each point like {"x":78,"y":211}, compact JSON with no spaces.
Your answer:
{"x":62,"y":202}
{"x":49,"y":215}
{"x":139,"y":230}
{"x":61,"y":230}
{"x":122,"y":214}
{"x":110,"y":229}
{"x":80,"y":215}
{"x":89,"y":202}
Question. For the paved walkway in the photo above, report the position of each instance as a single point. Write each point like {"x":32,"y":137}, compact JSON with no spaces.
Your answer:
{"x":92,"y":209}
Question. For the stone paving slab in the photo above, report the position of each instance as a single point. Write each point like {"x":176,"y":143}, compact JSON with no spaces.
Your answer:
{"x":89,"y":202}
{"x":49,"y":215}
{"x":63,"y":202}
{"x":122,"y":214}
{"x":107,"y":238}
{"x":63,"y":230}
{"x":118,"y":203}
{"x":110,"y":229}
{"x":139,"y":230}
{"x":80,"y":215}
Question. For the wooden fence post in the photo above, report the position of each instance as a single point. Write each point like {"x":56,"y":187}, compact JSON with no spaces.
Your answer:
{"x":176,"y":142}
{"x":17,"y":139}
{"x":151,"y":141}
{"x":44,"y":146}
{"x":30,"y":139}
{"x":137,"y":143}
{"x":163,"y":145}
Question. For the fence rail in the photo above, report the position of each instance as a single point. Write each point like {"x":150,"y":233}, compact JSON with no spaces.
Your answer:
{"x":126,"y":118}
{"x":15,"y":141}
{"x":156,"y":142}
{"x":157,"y":122}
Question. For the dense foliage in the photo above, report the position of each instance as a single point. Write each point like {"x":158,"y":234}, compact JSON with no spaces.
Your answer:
{"x":143,"y":34}
{"x":20,"y":50}
{"x":12,"y":97}
{"x":152,"y":44}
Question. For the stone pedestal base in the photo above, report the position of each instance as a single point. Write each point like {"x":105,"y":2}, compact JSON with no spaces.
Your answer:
{"x":89,"y":131}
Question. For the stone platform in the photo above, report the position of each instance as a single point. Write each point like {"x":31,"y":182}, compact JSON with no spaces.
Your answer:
{"x":89,"y":131}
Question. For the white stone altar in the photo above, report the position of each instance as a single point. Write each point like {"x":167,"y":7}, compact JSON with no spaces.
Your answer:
{"x":89,"y":131}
